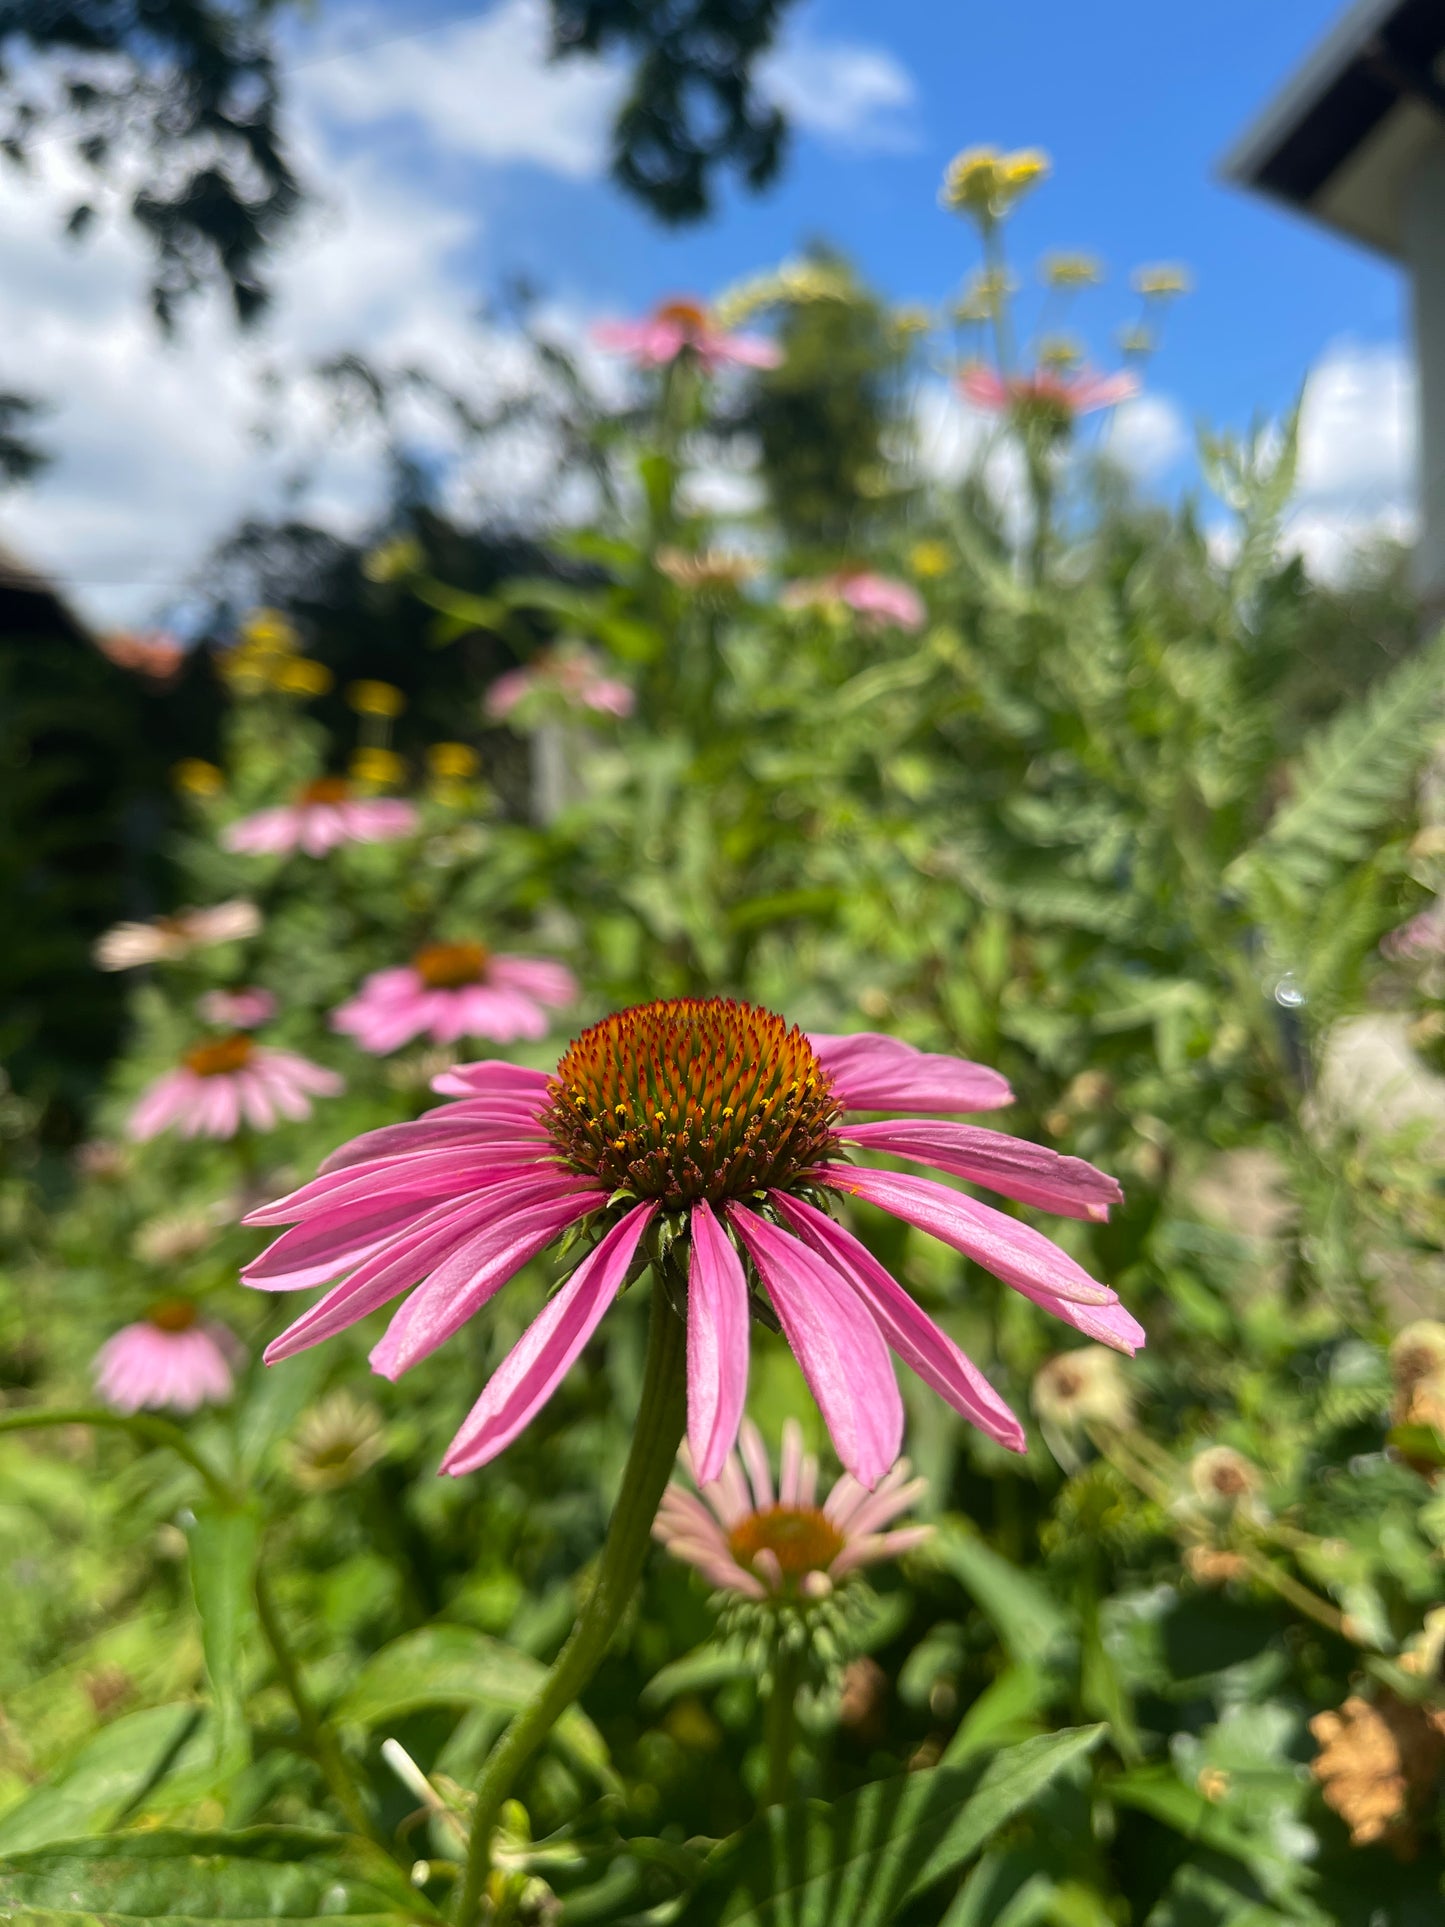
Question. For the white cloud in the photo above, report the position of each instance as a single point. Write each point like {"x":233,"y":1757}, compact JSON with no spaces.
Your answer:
{"x":482,"y":87}
{"x":1147,"y":436}
{"x":1357,"y":456}
{"x":848,"y":93}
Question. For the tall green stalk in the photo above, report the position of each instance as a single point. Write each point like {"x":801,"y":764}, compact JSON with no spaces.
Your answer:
{"x":661,"y":1415}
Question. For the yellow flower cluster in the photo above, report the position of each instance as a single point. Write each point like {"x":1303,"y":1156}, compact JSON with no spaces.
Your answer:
{"x":1158,"y":283}
{"x":381,"y":768}
{"x":794,"y":281}
{"x":985,"y":295}
{"x":370,"y":698}
{"x":1060,"y":353}
{"x":930,"y":558}
{"x":984,"y":183}
{"x":193,"y":776}
{"x":266,"y":656}
{"x":393,"y":561}
{"x":452,"y":762}
{"x":1072,"y":270}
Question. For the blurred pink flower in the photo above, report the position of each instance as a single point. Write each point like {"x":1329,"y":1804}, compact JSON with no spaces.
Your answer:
{"x":879,"y":600}
{"x":168,"y":939}
{"x":1422,"y":936}
{"x":240,"y":1009}
{"x":711,"y":1111}
{"x":154,"y":654}
{"x":324,"y":814}
{"x":233,"y":1080}
{"x":1063,"y":396}
{"x":684,"y":327}
{"x":754,"y":1542}
{"x":452,"y":990}
{"x":572,"y":674}
{"x":171,"y":1359}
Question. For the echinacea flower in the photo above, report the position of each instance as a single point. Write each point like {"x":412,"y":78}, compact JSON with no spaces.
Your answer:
{"x":157,"y":655}
{"x":241,"y":1009}
{"x":1045,"y":393}
{"x":684,"y":327}
{"x":452,"y":990}
{"x":878,"y":600}
{"x":170,"y":939}
{"x":751,"y":1540}
{"x":229,"y":1081}
{"x":571,"y":675}
{"x":711,"y":1127}
{"x":322,"y":815}
{"x":171,"y":1359}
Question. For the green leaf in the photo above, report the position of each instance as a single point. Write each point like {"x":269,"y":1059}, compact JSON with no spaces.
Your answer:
{"x":862,"y":1859}
{"x":1417,"y":1442}
{"x":249,"y":1879}
{"x":1033,"y":1626}
{"x":699,"y":1671}
{"x":1158,"y":1791}
{"x":442,"y":1665}
{"x":111,"y":1774}
{"x":224,"y":1541}
{"x":1002,"y":1714}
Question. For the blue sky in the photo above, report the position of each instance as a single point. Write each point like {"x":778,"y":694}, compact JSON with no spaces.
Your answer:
{"x":451,"y":157}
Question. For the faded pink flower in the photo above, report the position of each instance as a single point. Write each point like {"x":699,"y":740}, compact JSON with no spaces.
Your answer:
{"x":574,"y":675}
{"x":240,"y":1009}
{"x":220,"y":1085}
{"x":171,"y":1359}
{"x":684,"y":327}
{"x":721,"y":1116}
{"x":759,"y":1543}
{"x":169,"y":939}
{"x":156,"y":655}
{"x":324,"y":814}
{"x":1046,"y":392}
{"x":452,"y":990}
{"x":879,"y":600}
{"x":1421,"y":936}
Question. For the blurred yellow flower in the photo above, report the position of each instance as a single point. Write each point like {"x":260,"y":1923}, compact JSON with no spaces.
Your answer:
{"x":1060,"y":352}
{"x":269,"y":631}
{"x":453,"y":760}
{"x":1166,"y":278}
{"x":382,"y":768}
{"x":390,"y":561}
{"x":912,"y":319}
{"x":1136,"y":341}
{"x":300,"y":676}
{"x":929,"y":559}
{"x":1025,"y":169}
{"x":195,"y":777}
{"x":1072,"y":270}
{"x":370,"y":698}
{"x":985,"y":183}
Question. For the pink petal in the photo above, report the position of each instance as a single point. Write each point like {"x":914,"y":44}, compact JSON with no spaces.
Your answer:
{"x":312,"y":1252}
{"x":836,"y":1342}
{"x":922,"y":1346}
{"x":873,"y":1073}
{"x":717,"y":1344}
{"x":1029,"y":1172}
{"x":1021,"y":1256}
{"x":542,"y":1357}
{"x":433,"y":1173}
{"x":493,"y":1077}
{"x":438,"y":1130}
{"x":790,"y":1469}
{"x":464,"y":1282}
{"x":755,"y":1458}
{"x":539,"y":977}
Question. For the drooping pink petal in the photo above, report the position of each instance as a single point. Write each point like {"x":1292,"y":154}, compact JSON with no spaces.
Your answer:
{"x":717,"y":1343}
{"x":918,"y":1341}
{"x":539,"y":977}
{"x":1021,"y":1256}
{"x":317,"y":1249}
{"x":437,"y":1172}
{"x":541,"y":1358}
{"x":464,"y":1282}
{"x":436,"y":1131}
{"x":493,"y":1077}
{"x":1028,"y":1172}
{"x":836,"y":1342}
{"x":875,"y":1073}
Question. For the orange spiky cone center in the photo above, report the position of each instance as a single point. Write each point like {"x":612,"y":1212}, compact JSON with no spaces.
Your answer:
{"x":692,"y":1098}
{"x":223,"y":1055}
{"x":173,"y":1315}
{"x":801,"y":1538}
{"x":447,"y":966}
{"x":690,"y":315}
{"x":325,"y":789}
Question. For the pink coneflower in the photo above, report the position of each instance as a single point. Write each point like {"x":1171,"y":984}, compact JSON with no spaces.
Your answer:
{"x":714,"y":1125}
{"x":155,"y":655}
{"x":241,"y":1009}
{"x":759,"y":1543}
{"x":684,"y":327}
{"x":1046,"y":393}
{"x":220,"y":1085}
{"x":171,"y":1359}
{"x":1422,"y":936}
{"x":571,"y":674}
{"x":879,"y":600}
{"x":452,"y":990}
{"x":324,"y":813}
{"x":169,"y":939}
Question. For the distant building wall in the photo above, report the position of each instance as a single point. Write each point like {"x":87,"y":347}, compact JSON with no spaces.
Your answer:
{"x":1425,"y":252}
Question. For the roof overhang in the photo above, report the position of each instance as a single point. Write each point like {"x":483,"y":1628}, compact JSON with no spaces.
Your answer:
{"x":1343,"y":138}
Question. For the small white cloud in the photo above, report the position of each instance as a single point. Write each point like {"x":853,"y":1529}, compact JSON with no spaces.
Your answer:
{"x":1147,"y":436}
{"x":483,"y":87}
{"x":850,"y":94}
{"x":1357,"y":456}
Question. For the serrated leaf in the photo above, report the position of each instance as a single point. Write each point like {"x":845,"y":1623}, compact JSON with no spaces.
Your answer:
{"x":443,"y":1665}
{"x":863,"y":1858}
{"x":171,"y":1878}
{"x":111,"y":1774}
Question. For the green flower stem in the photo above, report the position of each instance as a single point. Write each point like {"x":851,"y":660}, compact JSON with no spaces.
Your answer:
{"x":661,"y":1413}
{"x":781,"y":1727}
{"x":159,"y":1431}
